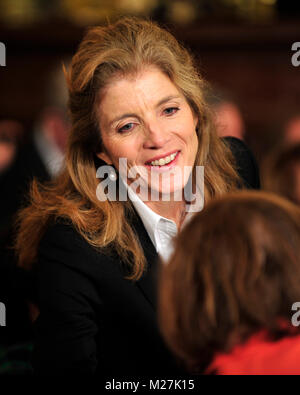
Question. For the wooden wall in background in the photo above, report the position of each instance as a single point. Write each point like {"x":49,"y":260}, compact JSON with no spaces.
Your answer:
{"x":252,"y":62}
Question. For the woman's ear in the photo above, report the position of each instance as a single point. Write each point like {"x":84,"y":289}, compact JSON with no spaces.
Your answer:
{"x":103,"y":156}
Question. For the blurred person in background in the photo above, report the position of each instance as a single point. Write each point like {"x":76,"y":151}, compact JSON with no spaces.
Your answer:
{"x":41,"y":157}
{"x":11,"y":133}
{"x":229,"y":120}
{"x":227,"y":292}
{"x":292,"y":130}
{"x":281,"y":172}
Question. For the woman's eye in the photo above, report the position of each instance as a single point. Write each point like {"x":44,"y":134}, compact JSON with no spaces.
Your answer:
{"x":126,"y":128}
{"x":171,"y":110}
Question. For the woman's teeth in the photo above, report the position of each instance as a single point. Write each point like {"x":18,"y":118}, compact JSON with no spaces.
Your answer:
{"x":164,"y":161}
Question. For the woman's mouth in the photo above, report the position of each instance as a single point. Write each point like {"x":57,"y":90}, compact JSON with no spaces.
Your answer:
{"x":164,"y":163}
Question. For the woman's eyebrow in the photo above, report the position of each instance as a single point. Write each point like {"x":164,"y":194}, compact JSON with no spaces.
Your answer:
{"x":120,"y":117}
{"x":168,"y":98}
{"x":128,"y":115}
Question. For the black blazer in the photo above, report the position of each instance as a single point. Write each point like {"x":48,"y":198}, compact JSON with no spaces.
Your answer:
{"x":91,"y":319}
{"x":15,"y":182}
{"x":14,"y":187}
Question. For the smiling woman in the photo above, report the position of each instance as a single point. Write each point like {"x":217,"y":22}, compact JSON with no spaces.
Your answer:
{"x":155,"y":118}
{"x":134,"y":94}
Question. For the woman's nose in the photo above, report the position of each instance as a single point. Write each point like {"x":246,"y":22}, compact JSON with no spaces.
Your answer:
{"x":156,"y":136}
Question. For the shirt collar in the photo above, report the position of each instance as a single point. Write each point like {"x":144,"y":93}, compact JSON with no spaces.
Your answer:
{"x":152,"y":221}
{"x":149,"y":218}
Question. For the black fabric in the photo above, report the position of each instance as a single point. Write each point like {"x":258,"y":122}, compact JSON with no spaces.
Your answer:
{"x":93,"y":320}
{"x":16,"y":284}
{"x":246,"y":165}
{"x":15,"y":182}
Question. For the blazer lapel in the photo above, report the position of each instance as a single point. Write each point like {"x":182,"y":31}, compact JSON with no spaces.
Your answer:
{"x":148,"y":282}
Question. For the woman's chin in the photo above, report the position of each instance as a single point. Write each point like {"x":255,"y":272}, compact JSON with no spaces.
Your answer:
{"x":163,"y":193}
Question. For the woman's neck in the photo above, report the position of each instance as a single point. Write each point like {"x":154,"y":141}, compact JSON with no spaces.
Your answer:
{"x":172,"y":210}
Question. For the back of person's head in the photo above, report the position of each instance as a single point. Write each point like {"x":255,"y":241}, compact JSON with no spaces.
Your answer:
{"x":281,"y":172}
{"x":235,"y":271}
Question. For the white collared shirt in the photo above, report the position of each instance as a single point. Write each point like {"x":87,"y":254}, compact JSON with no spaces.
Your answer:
{"x":161,"y":230}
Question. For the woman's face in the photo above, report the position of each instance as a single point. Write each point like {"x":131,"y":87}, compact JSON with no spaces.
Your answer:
{"x":146,"y":120}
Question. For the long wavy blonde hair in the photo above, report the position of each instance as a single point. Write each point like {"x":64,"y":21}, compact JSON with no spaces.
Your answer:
{"x":125,"y":47}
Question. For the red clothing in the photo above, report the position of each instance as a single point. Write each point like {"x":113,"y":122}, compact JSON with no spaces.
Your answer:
{"x":259,"y":356}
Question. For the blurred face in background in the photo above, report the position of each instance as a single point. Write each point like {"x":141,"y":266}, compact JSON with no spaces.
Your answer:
{"x":7,"y":154}
{"x":145,"y":119}
{"x":229,"y":121}
{"x":55,"y":126}
{"x":292,"y":130}
{"x":11,"y":132}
